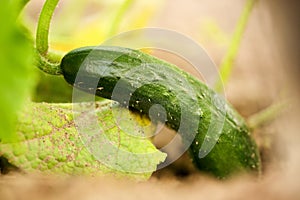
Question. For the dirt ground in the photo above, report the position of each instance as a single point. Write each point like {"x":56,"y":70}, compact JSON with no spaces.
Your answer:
{"x":263,"y":74}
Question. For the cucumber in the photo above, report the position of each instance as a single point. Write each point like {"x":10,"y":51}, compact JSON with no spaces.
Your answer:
{"x":140,"y":81}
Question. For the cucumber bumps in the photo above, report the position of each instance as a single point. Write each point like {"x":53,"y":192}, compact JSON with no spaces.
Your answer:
{"x":220,"y":141}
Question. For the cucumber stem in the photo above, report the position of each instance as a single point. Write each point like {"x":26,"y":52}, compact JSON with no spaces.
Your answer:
{"x":48,"y":62}
{"x":227,"y":62}
{"x":44,"y":25}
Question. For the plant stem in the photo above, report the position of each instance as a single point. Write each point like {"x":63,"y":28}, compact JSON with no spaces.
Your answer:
{"x":46,"y":61}
{"x":44,"y":25}
{"x":118,"y":18}
{"x":267,"y":115}
{"x":227,"y":62}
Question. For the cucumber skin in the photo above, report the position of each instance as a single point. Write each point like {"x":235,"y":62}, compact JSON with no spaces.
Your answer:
{"x":235,"y":150}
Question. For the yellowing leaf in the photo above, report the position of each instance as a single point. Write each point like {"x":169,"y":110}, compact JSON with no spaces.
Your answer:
{"x":52,"y":141}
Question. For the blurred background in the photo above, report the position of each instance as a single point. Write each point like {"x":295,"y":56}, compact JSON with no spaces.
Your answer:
{"x":265,"y":71}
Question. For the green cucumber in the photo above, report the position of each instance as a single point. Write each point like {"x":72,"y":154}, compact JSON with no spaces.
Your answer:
{"x":116,"y":72}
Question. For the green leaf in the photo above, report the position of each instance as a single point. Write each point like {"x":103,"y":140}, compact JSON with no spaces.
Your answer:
{"x":51,"y":143}
{"x":16,"y":69}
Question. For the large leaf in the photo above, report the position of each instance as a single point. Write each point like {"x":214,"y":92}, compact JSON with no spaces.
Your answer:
{"x":50,"y":142}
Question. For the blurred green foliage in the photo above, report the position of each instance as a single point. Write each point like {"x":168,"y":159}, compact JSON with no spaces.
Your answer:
{"x":17,"y":75}
{"x":52,"y":89}
{"x":227,"y":63}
